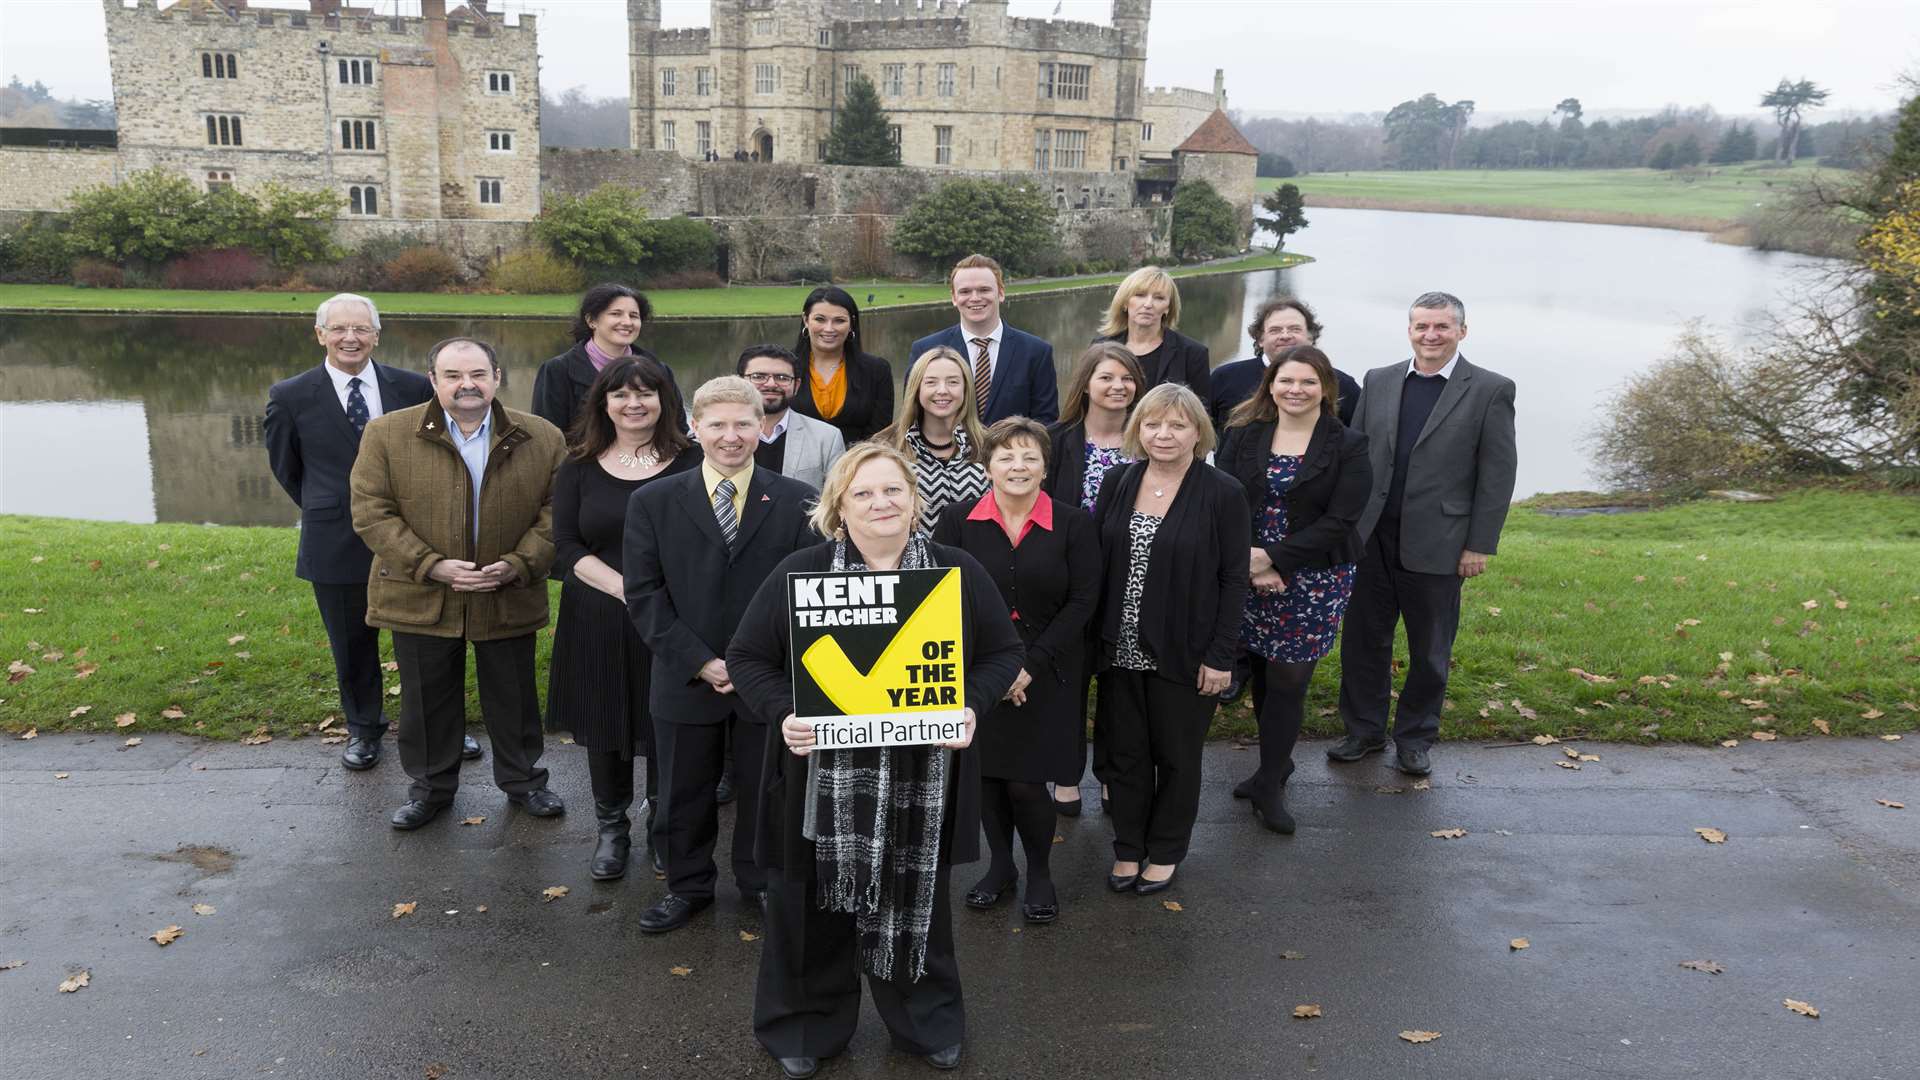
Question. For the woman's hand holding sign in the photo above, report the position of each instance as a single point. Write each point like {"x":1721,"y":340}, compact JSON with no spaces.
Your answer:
{"x":798,"y":734}
{"x":965,"y":740}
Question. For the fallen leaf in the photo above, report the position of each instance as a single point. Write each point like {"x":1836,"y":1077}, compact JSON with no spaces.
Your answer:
{"x":1883,"y":738}
{"x":681,"y":971}
{"x":1447,"y":834}
{"x":391,"y":665}
{"x":395,"y":692}
{"x":1841,"y":604}
{"x":1763,"y":736}
{"x":1172,"y":905}
{"x":61,"y":775}
{"x":1822,"y":726}
{"x":1423,"y":785}
{"x":79,"y":711}
{"x":1384,"y":790}
{"x":83,"y":671}
{"x":18,"y":669}
{"x":554,"y":892}
{"x":405,"y":909}
{"x":125,"y":719}
{"x":1872,"y":714}
{"x":1707,"y":966}
{"x":333,"y":740}
{"x":482,"y":909}
{"x":1290,"y":955}
{"x":1589,"y":757}
{"x":1802,"y":1008}
{"x":1306,"y":1012}
{"x":1891,"y":805}
{"x":1712,"y":836}
{"x":153,"y":564}
{"x":204,"y":909}
{"x":75,"y":981}
{"x":258,"y":738}
{"x":1568,"y":765}
{"x":11,"y":964}
{"x":166,"y":936}
{"x":1519,"y":943}
{"x":1570,"y":752}
{"x":328,"y":722}
{"x":1544,"y":740}
{"x":1590,"y":676}
{"x":473,"y":820}
{"x":1419,"y":1036}
{"x":748,"y":935}
{"x":133,"y":742}
{"x":1729,"y":743}
{"x":236,"y":639}
{"x":1810,"y":604}
{"x":38,"y":559}
{"x":30,"y":733}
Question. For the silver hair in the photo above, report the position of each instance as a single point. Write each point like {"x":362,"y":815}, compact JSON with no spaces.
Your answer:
{"x":320,"y":316}
{"x":1435,"y":300}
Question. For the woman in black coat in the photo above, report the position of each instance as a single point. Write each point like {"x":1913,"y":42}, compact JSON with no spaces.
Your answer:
{"x":1142,"y":316}
{"x":1306,"y":479}
{"x":1037,"y":734}
{"x":850,"y":389}
{"x":1172,"y":529}
{"x":610,"y":319}
{"x":840,"y":900}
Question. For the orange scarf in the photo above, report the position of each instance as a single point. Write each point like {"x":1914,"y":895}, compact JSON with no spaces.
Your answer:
{"x":828,"y":396}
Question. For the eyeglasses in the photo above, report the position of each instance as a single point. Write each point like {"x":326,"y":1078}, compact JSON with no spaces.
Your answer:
{"x":338,"y":331}
{"x":759,"y":378}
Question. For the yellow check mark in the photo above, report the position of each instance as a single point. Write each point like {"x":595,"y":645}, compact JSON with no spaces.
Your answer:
{"x":856,"y":694}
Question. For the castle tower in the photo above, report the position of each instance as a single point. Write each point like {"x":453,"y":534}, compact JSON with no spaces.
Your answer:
{"x":643,"y":21}
{"x":1130,"y":18}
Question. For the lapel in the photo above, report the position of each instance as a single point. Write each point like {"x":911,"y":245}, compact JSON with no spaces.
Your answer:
{"x":760,"y":505}
{"x":580,"y":371}
{"x":329,"y":405}
{"x":389,"y":389}
{"x":1455,"y":390}
{"x":1393,"y":380}
{"x":693,"y":499}
{"x":1321,"y":450}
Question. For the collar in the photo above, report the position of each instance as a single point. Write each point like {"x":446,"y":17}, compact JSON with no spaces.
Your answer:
{"x":779,"y":429}
{"x":1444,"y":373}
{"x":713,"y":476}
{"x":340,"y":378}
{"x":479,"y":435}
{"x":599,"y":359}
{"x":996,"y":335}
{"x":988,"y":509}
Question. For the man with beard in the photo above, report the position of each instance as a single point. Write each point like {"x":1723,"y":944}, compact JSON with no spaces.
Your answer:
{"x":791,"y":444}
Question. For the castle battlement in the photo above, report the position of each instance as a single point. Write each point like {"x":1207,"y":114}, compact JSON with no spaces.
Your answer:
{"x":238,"y":15}
{"x":1066,"y":36}
{"x":1179,"y":97}
{"x":901,"y":33}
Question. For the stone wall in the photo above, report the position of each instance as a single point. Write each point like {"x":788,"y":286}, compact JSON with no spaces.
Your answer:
{"x":1232,"y":175}
{"x":475,"y":243}
{"x":38,"y":178}
{"x":1174,"y":113}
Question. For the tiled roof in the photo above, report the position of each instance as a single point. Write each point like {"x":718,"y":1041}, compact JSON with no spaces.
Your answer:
{"x":1216,"y":135}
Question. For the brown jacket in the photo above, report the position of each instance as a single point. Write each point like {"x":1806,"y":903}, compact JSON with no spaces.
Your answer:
{"x":412,"y":504}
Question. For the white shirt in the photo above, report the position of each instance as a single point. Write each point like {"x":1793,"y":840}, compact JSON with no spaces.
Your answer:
{"x":779,"y":429}
{"x":369,"y":388}
{"x":993,"y":346}
{"x":1413,"y":368}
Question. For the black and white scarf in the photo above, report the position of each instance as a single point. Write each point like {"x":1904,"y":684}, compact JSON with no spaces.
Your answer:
{"x":874,"y":816}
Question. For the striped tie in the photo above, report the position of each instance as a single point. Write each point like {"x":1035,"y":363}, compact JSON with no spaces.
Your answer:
{"x":982,"y":374}
{"x":723,"y":511}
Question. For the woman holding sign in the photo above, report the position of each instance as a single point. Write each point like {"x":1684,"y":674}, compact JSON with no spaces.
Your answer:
{"x":857,"y":842}
{"x":939,"y":428}
{"x":1025,"y":539}
{"x":1173,"y":533}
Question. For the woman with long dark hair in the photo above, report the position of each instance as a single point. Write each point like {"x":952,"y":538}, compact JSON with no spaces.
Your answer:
{"x":624,"y":438}
{"x":605,"y":328}
{"x":848,"y":388}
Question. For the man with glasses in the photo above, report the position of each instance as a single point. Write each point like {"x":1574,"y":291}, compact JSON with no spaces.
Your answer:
{"x":312,"y":431}
{"x":790,"y":444}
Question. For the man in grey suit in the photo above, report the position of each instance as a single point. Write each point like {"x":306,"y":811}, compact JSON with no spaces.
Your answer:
{"x":1441,"y":442}
{"x":792,"y":445}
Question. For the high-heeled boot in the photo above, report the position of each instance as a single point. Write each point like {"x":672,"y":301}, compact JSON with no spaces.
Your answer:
{"x":610,"y":850}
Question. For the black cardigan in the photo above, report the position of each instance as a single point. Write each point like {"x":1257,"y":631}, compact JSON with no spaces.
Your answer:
{"x":868,"y":406}
{"x":1324,"y":501}
{"x":1182,"y":360}
{"x":1066,"y":462}
{"x":1054,"y":607}
{"x":757,"y":659}
{"x":560,"y":387}
{"x":1197,"y":577}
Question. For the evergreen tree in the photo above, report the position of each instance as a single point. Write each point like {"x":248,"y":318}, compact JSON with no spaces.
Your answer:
{"x":1689,"y":153}
{"x":1289,"y":212}
{"x":860,"y":133}
{"x":1203,"y":222}
{"x":1734,"y":147}
{"x":1662,"y":158}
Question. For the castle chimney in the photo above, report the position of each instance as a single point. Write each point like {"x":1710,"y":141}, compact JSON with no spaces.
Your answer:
{"x":324,"y":7}
{"x":1219,"y":88}
{"x":434,"y":11}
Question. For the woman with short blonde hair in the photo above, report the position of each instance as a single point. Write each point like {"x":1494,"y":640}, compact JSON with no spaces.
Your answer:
{"x":939,"y":429}
{"x":1142,"y":316}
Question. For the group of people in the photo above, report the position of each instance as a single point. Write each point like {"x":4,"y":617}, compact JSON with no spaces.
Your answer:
{"x":1166,"y":534}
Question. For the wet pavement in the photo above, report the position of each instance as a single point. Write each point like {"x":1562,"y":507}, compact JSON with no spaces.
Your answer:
{"x":302,"y":970}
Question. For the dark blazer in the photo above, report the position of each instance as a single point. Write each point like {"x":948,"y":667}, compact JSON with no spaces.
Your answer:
{"x":1324,"y":501}
{"x":1197,"y":577}
{"x":869,"y":403}
{"x":1236,"y":381}
{"x":1067,"y":462}
{"x":1181,"y":360}
{"x":758,"y":660}
{"x":560,"y":386}
{"x":1460,"y":477}
{"x":686,"y":589}
{"x":310,"y":448}
{"x":1054,"y":607}
{"x":1024,"y":382}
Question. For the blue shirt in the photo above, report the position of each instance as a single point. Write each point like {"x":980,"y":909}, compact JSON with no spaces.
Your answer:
{"x":473,"y":451}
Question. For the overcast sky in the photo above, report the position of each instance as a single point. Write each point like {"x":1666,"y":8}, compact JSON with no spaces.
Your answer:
{"x":1327,"y":58}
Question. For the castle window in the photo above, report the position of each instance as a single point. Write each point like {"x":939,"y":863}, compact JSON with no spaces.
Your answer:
{"x":893,"y":136}
{"x":356,"y":72}
{"x":943,"y":146}
{"x":669,"y":82}
{"x":1069,"y":149}
{"x":499,"y":82}
{"x":766,"y":78}
{"x":245,"y":430}
{"x":363,"y":200}
{"x":703,"y":82}
{"x":666,"y":135}
{"x":820,"y":151}
{"x":215,"y":65}
{"x":848,"y":74}
{"x":1064,"y":82}
{"x":826,"y":38}
{"x":489,"y":192}
{"x":763,"y":28}
{"x":1042,"y":151}
{"x":223,"y":131}
{"x":919,"y":80}
{"x":500,"y":142}
{"x":1146,"y":132}
{"x":893,"y":79}
{"x":357,"y":135}
{"x":703,"y":137}
{"x":943,"y":80}
{"x":219,"y":180}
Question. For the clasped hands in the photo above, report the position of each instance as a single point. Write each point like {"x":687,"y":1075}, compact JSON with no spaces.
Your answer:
{"x":799,"y":735}
{"x":463,"y":576}
{"x":1265,"y":578}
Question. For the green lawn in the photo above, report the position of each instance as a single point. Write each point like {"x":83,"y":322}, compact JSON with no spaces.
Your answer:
{"x":1715,"y":196}
{"x":733,"y":301}
{"x":1695,"y":624}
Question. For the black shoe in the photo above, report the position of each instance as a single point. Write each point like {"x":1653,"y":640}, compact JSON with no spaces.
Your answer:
{"x":754,"y":898}
{"x":1068,"y":809}
{"x":1272,"y":811}
{"x":1353,"y":748}
{"x":1412,"y":760}
{"x":361,"y":754}
{"x":415,"y":814}
{"x":469,"y":748}
{"x":981,"y":896}
{"x":610,"y":850}
{"x":1122,"y":882}
{"x":723,"y":791}
{"x":539,"y":803}
{"x":1041,"y":908}
{"x":945,"y":1059}
{"x":1245,"y":788}
{"x":672,"y":913}
{"x":799,"y":1068}
{"x":1148,"y":888}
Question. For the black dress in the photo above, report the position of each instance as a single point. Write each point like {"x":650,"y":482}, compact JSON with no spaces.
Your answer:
{"x":1045,"y":739}
{"x":598,"y":680}
{"x":1178,"y":358}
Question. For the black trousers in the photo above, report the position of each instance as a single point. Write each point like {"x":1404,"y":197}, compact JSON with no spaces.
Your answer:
{"x":356,"y":656}
{"x":1155,"y":730}
{"x":433,"y":712}
{"x":692,"y":757}
{"x":1385,"y":594}
{"x":806,"y":1001}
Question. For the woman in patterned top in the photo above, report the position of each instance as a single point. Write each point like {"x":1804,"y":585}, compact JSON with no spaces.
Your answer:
{"x":1306,"y":478}
{"x":939,"y":428}
{"x":1173,"y":534}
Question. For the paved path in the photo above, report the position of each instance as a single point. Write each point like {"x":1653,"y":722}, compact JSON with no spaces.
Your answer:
{"x":301,"y":970}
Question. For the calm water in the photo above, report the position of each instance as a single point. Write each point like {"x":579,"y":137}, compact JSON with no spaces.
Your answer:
{"x":158,"y":418}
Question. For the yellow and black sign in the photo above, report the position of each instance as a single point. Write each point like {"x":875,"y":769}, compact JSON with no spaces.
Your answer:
{"x":879,"y":657}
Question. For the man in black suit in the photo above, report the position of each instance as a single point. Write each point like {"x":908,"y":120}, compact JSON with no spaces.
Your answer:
{"x":1440,"y":439}
{"x":312,"y":431}
{"x":1278,"y":325}
{"x":1012,"y":370}
{"x":698,"y":545}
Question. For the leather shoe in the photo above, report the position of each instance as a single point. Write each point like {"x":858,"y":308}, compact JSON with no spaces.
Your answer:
{"x":980,"y":897}
{"x":1245,"y":788}
{"x":1122,"y":882}
{"x":754,"y":898}
{"x":1148,"y":888}
{"x":945,"y":1059}
{"x":541,"y":802}
{"x":415,"y":814}
{"x":469,"y":748}
{"x":1353,"y":748}
{"x":1068,"y":809}
{"x":1272,"y":812}
{"x":672,"y":912}
{"x":723,"y":791}
{"x":799,"y":1068}
{"x":1412,"y":760}
{"x":361,"y":754}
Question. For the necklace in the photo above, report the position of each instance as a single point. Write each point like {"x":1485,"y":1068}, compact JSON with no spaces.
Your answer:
{"x":646,"y":460}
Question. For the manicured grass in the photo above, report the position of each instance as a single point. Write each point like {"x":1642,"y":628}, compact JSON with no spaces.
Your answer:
{"x":730,"y":302}
{"x":157,"y":609}
{"x":1712,"y":197}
